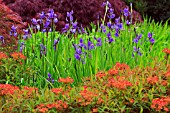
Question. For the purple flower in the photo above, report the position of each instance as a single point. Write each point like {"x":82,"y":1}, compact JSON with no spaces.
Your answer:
{"x":69,"y":15}
{"x":117,"y":20}
{"x":81,"y":29}
{"x":43,"y":50}
{"x":73,"y":30}
{"x":13,"y":31}
{"x":2,"y":39}
{"x":126,"y":12}
{"x":90,"y":45}
{"x":138,"y":37}
{"x":151,"y":39}
{"x":22,"y":45}
{"x":111,"y":14}
{"x":50,"y":79}
{"x":128,"y":22}
{"x":139,"y":53}
{"x":135,"y":40}
{"x":99,"y":41}
{"x":81,"y":44}
{"x":136,"y":50}
{"x":34,"y":21}
{"x":42,"y":15}
{"x":47,"y":23}
{"x":103,"y":28}
{"x":120,"y":26}
{"x":74,"y":27}
{"x":109,"y":24}
{"x":149,"y":35}
{"x":66,"y":28}
{"x":78,"y":51}
{"x":117,"y":33}
{"x":110,"y":39}
{"x":106,"y":3}
{"x":51,"y":14}
{"x":109,"y":35}
{"x":55,"y":43}
{"x":55,"y":20}
{"x":77,"y":56}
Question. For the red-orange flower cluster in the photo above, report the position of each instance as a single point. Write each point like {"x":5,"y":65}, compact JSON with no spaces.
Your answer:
{"x":166,"y":50}
{"x":18,"y":55}
{"x":87,"y":97}
{"x":100,"y":74}
{"x":113,"y":72}
{"x":58,"y":105}
{"x":160,"y":104}
{"x":57,"y":90}
{"x":167,"y":74}
{"x":122,"y":66}
{"x":6,"y":89}
{"x":3,"y":55}
{"x":120,"y":84}
{"x":152,"y":80}
{"x":67,"y":80}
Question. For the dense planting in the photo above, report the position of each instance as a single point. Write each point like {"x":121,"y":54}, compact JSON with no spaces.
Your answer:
{"x":116,"y":66}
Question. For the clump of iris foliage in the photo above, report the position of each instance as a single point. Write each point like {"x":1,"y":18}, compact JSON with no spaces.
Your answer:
{"x":48,"y":64}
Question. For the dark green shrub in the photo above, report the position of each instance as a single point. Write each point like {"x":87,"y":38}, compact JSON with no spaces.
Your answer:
{"x":156,"y":9}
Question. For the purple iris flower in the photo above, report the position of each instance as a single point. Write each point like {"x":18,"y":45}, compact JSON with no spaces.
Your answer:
{"x":42,"y":15}
{"x":110,"y":39}
{"x":34,"y":21}
{"x":137,"y":50}
{"x":69,"y":15}
{"x":149,"y":35}
{"x":126,"y":12}
{"x":77,"y":56}
{"x":103,"y":28}
{"x":43,"y":50}
{"x":81,"y":30}
{"x":151,"y":39}
{"x":74,"y":27}
{"x":51,"y":14}
{"x":50,"y":79}
{"x":135,"y":40}
{"x":22,"y":45}
{"x":120,"y":26}
{"x":109,"y":25}
{"x":26,"y":34}
{"x":90,"y":45}
{"x":109,"y":35}
{"x":55,"y":43}
{"x":2,"y":39}
{"x":111,"y":14}
{"x":138,"y":37}
{"x":13,"y":31}
{"x":47,"y":23}
{"x":117,"y":20}
{"x":117,"y":33}
{"x":128,"y":22}
{"x":106,"y":3}
{"x":78,"y":51}
{"x":81,"y":44}
{"x":66,"y":28}
{"x":99,"y":41}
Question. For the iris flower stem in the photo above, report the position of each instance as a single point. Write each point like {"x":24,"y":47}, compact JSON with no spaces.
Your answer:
{"x":105,"y":12}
